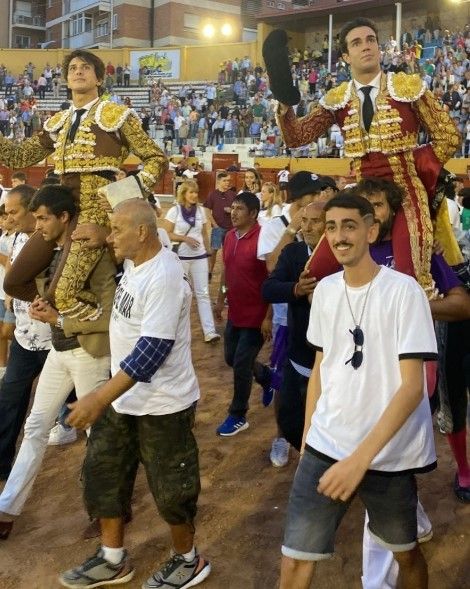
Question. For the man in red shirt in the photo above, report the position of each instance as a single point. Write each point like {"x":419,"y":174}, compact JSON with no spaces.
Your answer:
{"x":248,"y":322}
{"x":219,"y":203}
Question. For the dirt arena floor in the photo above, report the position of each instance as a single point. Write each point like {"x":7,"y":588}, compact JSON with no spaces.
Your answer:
{"x":241,"y":508}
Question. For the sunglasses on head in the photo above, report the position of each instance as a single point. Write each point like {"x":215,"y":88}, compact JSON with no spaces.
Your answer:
{"x":358,"y":356}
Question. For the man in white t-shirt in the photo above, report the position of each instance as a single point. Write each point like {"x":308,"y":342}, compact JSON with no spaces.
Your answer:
{"x":31,"y":342}
{"x":368,"y":426}
{"x":145,"y":410}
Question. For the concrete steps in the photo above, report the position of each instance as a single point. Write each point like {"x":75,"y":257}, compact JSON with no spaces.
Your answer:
{"x":139,"y":95}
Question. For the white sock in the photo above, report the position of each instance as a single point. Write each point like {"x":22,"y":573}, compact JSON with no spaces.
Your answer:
{"x":189,"y":556}
{"x":112,"y":555}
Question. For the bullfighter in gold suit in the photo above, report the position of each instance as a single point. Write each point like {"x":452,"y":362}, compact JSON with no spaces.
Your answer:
{"x":385,"y":145}
{"x":89,"y":143}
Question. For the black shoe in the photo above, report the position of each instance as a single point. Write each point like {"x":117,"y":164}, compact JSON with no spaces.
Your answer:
{"x":462,"y":493}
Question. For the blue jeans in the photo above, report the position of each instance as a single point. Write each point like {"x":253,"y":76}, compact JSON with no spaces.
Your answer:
{"x":64,"y":410}
{"x":22,"y":368}
{"x":217,"y":237}
{"x":241,"y":346}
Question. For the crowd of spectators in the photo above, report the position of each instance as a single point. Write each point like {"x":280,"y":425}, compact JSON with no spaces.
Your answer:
{"x":239,"y":108}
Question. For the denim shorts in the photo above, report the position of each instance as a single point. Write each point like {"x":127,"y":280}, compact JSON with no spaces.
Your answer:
{"x":6,"y":316}
{"x":312,"y":518}
{"x":217,"y":237}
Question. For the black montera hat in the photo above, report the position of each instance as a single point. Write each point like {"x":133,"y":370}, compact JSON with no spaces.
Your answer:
{"x":276,"y":58}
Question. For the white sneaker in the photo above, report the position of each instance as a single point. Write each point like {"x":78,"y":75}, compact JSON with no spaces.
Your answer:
{"x":279,"y":455}
{"x":424,"y":536}
{"x":211,"y":338}
{"x":60,"y":435}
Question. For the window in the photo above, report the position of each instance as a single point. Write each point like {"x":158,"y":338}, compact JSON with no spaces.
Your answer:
{"x":23,"y":8}
{"x":191,"y":21}
{"x":115,"y":21}
{"x":102,"y":28}
{"x":80,"y":23}
{"x":22,"y":42}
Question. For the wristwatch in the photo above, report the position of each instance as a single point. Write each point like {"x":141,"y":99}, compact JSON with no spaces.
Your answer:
{"x":60,"y":322}
{"x":291,"y":231}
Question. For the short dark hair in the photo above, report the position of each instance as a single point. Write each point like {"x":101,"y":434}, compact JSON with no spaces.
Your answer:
{"x":250,"y":200}
{"x":26,"y":193}
{"x":50,"y":180}
{"x":349,"y":199}
{"x":87,"y":57}
{"x":466,"y":202}
{"x":57,"y":199}
{"x":222,"y":174}
{"x":393,"y":192}
{"x":19,"y":176}
{"x":354,"y":24}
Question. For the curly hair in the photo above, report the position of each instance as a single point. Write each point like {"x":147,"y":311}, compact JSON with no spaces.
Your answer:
{"x":87,"y":57}
{"x":393,"y":192}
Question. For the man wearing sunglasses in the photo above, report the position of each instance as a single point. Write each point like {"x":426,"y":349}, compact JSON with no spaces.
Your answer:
{"x":451,"y":310}
{"x":368,"y":426}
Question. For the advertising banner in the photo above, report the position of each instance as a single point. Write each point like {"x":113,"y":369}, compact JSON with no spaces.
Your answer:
{"x":156,"y":63}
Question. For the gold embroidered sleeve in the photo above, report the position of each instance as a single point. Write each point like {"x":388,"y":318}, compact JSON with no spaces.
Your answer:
{"x":440,"y":126}
{"x":297,"y":132}
{"x":139,"y":143}
{"x":27,"y":153}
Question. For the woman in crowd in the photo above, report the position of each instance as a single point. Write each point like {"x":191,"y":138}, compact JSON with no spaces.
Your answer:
{"x":187,"y":227}
{"x":271,"y":202}
{"x":252,"y":182}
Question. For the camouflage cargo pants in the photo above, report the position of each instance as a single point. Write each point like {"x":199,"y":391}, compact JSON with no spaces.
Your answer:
{"x":165,"y":445}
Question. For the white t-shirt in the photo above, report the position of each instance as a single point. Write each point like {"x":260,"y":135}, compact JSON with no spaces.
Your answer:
{"x":32,"y":335}
{"x":396,"y":324}
{"x":6,"y":243}
{"x":263,"y":218}
{"x":175,"y":216}
{"x":154,"y":300}
{"x":269,"y":236}
{"x":454,"y":213}
{"x":164,"y":239}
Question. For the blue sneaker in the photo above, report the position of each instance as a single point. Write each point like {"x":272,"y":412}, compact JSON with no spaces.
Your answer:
{"x":232,"y":426}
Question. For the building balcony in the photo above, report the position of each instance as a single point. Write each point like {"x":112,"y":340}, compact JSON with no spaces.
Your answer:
{"x":73,"y":6}
{"x":29,"y":22}
{"x":80,"y":41}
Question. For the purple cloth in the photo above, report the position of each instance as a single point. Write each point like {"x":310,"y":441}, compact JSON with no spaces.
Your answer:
{"x":442,"y":274}
{"x":189,"y":215}
{"x":278,"y":356}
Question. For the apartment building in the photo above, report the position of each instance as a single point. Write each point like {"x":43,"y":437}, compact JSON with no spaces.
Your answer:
{"x":23,"y":24}
{"x":141,"y":23}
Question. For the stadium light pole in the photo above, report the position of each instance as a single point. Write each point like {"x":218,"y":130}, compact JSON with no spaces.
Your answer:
{"x":111,"y":28}
{"x":10,"y":28}
{"x":330,"y":39}
{"x":398,"y":27}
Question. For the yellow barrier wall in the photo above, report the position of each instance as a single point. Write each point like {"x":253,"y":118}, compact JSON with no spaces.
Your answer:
{"x":198,"y":62}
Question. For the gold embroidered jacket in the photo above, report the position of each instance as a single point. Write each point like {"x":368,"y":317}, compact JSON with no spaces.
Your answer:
{"x":104,"y":139}
{"x":402,"y":106}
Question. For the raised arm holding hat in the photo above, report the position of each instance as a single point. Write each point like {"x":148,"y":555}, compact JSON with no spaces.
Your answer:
{"x":380,"y":117}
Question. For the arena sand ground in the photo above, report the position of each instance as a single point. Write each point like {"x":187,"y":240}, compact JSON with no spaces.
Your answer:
{"x":241,"y":508}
